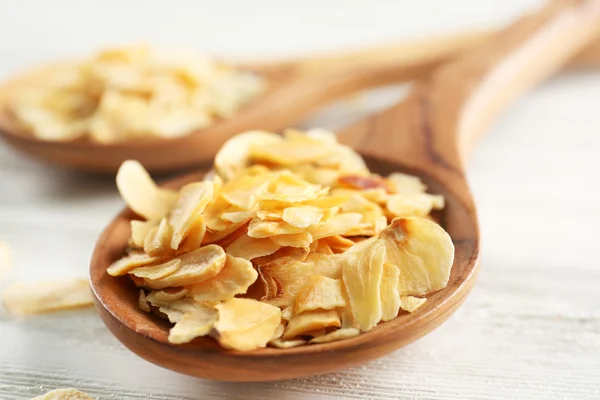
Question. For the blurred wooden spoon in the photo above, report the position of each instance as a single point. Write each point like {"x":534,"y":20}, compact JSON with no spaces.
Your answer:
{"x":427,"y":134}
{"x":296,"y":88}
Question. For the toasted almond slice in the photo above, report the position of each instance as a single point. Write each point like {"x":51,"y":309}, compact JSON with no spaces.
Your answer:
{"x":127,"y":263}
{"x":338,"y":334}
{"x":238,"y":216}
{"x":175,"y":310}
{"x":278,"y":332}
{"x":223,"y":236}
{"x":336,"y":225}
{"x":287,"y":344}
{"x":362,"y":280}
{"x":283,"y":255}
{"x":414,"y":204}
{"x":321,"y":293}
{"x":264,"y":229}
{"x":213,"y":212}
{"x":329,"y":265}
{"x":192,"y":325}
{"x":235,"y":153}
{"x":159,"y":271}
{"x":286,"y":187}
{"x":139,"y":231}
{"x":408,"y":184}
{"x":410,"y":303}
{"x":288,"y":153}
{"x":156,"y":242}
{"x":192,"y":201}
{"x":289,"y":190}
{"x":338,"y":244}
{"x":372,"y":221}
{"x":47,"y":296}
{"x":302,"y":239}
{"x":302,"y":216}
{"x":197,"y":266}
{"x":166,"y":295}
{"x":289,"y":277}
{"x":249,"y":248}
{"x":390,"y":298}
{"x":310,"y":321}
{"x":235,"y":278}
{"x":194,"y":238}
{"x":270,"y":215}
{"x":327,"y":202}
{"x":243,"y":191}
{"x":246,"y":324}
{"x":423,"y":251}
{"x":141,"y":193}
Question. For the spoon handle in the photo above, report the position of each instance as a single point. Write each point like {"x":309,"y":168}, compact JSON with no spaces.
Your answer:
{"x":422,"y":53}
{"x":434,"y":127}
{"x":588,"y":58}
{"x":418,"y":55}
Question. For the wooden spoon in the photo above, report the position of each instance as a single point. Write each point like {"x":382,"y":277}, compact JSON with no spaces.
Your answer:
{"x":297,"y":88}
{"x":427,"y":134}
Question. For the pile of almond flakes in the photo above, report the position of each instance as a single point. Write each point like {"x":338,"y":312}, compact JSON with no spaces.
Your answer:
{"x":291,"y":241}
{"x":131,"y":93}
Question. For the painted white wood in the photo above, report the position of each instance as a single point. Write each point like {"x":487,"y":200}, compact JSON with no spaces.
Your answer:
{"x":530,"y":329}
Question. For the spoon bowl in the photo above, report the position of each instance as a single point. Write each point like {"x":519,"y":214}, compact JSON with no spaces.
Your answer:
{"x":146,"y":335}
{"x":428,"y":134}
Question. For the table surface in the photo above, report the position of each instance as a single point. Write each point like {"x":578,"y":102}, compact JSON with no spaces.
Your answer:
{"x":530,"y":328}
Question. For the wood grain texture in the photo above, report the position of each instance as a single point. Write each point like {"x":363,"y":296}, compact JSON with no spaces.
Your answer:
{"x":530,"y":328}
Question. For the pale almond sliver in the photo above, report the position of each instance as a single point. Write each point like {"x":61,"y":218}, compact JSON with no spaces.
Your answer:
{"x":338,"y":334}
{"x":235,"y":278}
{"x":47,"y":296}
{"x":303,"y":239}
{"x":410,"y":303}
{"x":195,"y":267}
{"x":309,"y":321}
{"x":127,"y":263}
{"x":249,"y":248}
{"x":302,"y":216}
{"x":141,"y":193}
{"x":157,"y":271}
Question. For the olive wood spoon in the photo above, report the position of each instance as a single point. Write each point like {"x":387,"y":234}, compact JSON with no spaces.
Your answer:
{"x":295,"y":89}
{"x":427,"y":134}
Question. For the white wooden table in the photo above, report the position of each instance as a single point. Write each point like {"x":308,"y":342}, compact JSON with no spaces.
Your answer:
{"x":529,"y":330}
